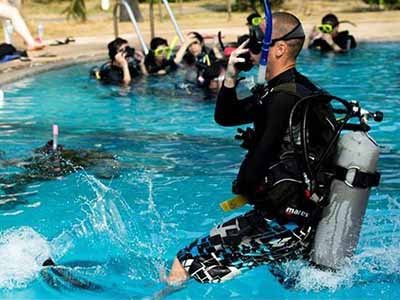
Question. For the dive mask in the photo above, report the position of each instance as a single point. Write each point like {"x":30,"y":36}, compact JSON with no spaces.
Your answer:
{"x":162,"y":50}
{"x":325,"y":28}
{"x":256,"y":21}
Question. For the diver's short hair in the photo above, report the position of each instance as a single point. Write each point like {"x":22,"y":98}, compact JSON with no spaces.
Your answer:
{"x":287,"y":22}
{"x":330,"y":19}
{"x":114,"y":45}
{"x":251,"y":16}
{"x":198,"y":36}
{"x":157,"y":42}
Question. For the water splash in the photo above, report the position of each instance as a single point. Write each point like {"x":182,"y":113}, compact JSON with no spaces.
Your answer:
{"x":22,"y":252}
{"x":372,"y":265}
{"x":105,"y":218}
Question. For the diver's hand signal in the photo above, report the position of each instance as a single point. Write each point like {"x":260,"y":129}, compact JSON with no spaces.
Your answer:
{"x":232,"y":71}
{"x":234,"y":58}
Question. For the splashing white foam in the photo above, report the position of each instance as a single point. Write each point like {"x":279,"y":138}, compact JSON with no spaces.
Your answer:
{"x":313,"y":279}
{"x":22,"y":252}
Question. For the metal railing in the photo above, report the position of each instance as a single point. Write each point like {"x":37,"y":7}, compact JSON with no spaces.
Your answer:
{"x":173,"y":20}
{"x":133,"y":20}
{"x":116,"y":12}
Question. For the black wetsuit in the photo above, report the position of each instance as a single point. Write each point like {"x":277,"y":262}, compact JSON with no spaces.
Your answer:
{"x":261,"y":236}
{"x":110,"y":74}
{"x":343,"y":39}
{"x":168,"y":65}
{"x":270,"y":117}
{"x":205,"y":58}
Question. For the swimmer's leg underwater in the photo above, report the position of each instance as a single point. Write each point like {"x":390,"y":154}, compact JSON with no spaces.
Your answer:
{"x":59,"y":276}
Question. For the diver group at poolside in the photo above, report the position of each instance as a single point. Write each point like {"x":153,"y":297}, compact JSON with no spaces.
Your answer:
{"x":204,"y":66}
{"x":291,"y":148}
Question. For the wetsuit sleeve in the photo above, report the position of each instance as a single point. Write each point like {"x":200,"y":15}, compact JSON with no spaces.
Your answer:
{"x":171,"y":64}
{"x":277,"y":112}
{"x":230,"y":111}
{"x":353,"y":42}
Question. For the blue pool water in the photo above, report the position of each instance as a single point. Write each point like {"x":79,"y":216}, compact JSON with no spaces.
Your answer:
{"x":177,"y":165}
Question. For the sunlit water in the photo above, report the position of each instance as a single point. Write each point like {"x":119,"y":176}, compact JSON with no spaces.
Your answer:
{"x":177,"y":165}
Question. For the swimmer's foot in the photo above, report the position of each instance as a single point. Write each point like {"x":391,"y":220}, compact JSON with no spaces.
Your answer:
{"x":36,"y":46}
{"x":48,"y":262}
{"x":178,"y":275}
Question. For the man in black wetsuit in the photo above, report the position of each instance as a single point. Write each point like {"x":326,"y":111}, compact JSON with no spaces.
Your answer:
{"x":280,"y":226}
{"x":327,"y":36}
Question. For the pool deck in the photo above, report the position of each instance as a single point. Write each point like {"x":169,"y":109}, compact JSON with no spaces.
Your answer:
{"x":86,"y":49}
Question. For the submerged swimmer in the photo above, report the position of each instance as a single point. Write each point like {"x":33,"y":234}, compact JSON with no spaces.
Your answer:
{"x":47,"y":164}
{"x":56,"y":275}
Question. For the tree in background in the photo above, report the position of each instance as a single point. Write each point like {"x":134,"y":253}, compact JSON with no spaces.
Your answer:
{"x":391,"y":4}
{"x":77,"y":10}
{"x":254,"y":5}
{"x":134,"y":4}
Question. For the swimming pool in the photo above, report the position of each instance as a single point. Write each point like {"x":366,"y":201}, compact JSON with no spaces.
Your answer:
{"x":176,"y":166}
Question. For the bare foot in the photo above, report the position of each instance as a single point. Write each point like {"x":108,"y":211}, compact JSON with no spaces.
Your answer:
{"x":36,"y":46}
{"x":178,"y":274}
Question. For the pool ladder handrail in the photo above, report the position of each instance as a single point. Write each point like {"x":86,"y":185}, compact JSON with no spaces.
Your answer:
{"x":135,"y":23}
{"x":173,"y":20}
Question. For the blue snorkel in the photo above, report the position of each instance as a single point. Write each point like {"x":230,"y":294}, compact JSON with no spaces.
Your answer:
{"x":266,"y":42}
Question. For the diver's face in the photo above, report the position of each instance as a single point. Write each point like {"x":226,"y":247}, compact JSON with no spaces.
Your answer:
{"x":277,"y":52}
{"x":195,"y":48}
{"x":160,"y":58}
{"x":123,"y":47}
{"x":335,"y":31}
{"x":214,"y":85}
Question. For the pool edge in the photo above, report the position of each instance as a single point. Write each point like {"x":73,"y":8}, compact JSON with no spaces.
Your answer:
{"x":14,"y":74}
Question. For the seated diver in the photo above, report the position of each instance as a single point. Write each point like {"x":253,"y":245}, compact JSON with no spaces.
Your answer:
{"x":48,"y":164}
{"x":125,"y":64}
{"x":198,"y":55}
{"x":210,"y":79}
{"x":254,"y":22}
{"x":160,"y":59}
{"x":254,"y":44}
{"x":327,"y":37}
{"x":281,"y":224}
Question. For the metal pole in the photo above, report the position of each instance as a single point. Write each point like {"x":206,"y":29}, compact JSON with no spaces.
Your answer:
{"x":171,"y":15}
{"x":134,"y":23}
{"x":116,"y":18}
{"x":229,"y":4}
{"x":151,"y":15}
{"x":160,"y":14}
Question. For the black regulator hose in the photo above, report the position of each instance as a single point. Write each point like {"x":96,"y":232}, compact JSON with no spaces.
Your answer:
{"x":221,"y":43}
{"x":304,"y":130}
